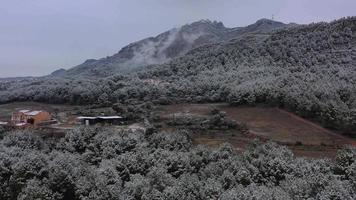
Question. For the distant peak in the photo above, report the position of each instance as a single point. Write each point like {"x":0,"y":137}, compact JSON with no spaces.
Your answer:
{"x":204,"y":21}
{"x":207,"y":22}
{"x":265,"y":21}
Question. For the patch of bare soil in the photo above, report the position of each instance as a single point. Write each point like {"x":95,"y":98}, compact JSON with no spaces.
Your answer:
{"x":303,"y":137}
{"x":285,"y":127}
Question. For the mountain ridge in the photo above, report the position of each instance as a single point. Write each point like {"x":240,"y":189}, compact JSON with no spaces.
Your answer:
{"x":168,"y":45}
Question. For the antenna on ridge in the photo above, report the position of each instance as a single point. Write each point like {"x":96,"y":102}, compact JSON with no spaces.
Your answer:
{"x":272,"y":16}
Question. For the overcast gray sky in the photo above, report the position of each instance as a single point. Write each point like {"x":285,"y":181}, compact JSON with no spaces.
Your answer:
{"x":40,"y":36}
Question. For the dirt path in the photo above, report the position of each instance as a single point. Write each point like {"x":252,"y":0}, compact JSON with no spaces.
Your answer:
{"x":336,"y":135}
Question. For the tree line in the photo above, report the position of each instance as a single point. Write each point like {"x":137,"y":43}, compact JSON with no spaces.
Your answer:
{"x":103,"y":163}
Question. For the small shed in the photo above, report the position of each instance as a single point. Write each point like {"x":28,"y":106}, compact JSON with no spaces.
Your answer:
{"x":112,"y":120}
{"x":87,"y":120}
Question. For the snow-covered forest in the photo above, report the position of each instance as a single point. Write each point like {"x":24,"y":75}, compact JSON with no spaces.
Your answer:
{"x":103,"y":163}
{"x":308,"y":69}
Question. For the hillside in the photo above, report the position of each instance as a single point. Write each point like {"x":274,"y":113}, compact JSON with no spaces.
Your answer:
{"x":168,"y":45}
{"x":307,"y":69}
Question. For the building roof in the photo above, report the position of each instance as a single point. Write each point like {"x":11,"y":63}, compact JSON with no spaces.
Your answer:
{"x":100,"y":117}
{"x":110,"y":117}
{"x":33,"y":113}
{"x":24,"y":111}
{"x":86,"y":117}
{"x":30,"y":112}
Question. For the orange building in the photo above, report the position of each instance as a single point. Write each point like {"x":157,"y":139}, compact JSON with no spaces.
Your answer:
{"x":25,"y":117}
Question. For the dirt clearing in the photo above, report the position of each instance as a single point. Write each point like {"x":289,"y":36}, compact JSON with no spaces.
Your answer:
{"x":304,"y":137}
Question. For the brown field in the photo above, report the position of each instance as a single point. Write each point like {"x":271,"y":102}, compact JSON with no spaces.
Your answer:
{"x":305,"y":138}
{"x":284,"y":127}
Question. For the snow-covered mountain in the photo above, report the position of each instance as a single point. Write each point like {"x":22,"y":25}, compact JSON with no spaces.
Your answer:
{"x":168,"y":45}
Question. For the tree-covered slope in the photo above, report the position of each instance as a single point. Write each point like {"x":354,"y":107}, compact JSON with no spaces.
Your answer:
{"x":309,"y":69}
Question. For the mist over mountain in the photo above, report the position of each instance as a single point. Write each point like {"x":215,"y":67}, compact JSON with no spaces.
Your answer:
{"x":168,"y":45}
